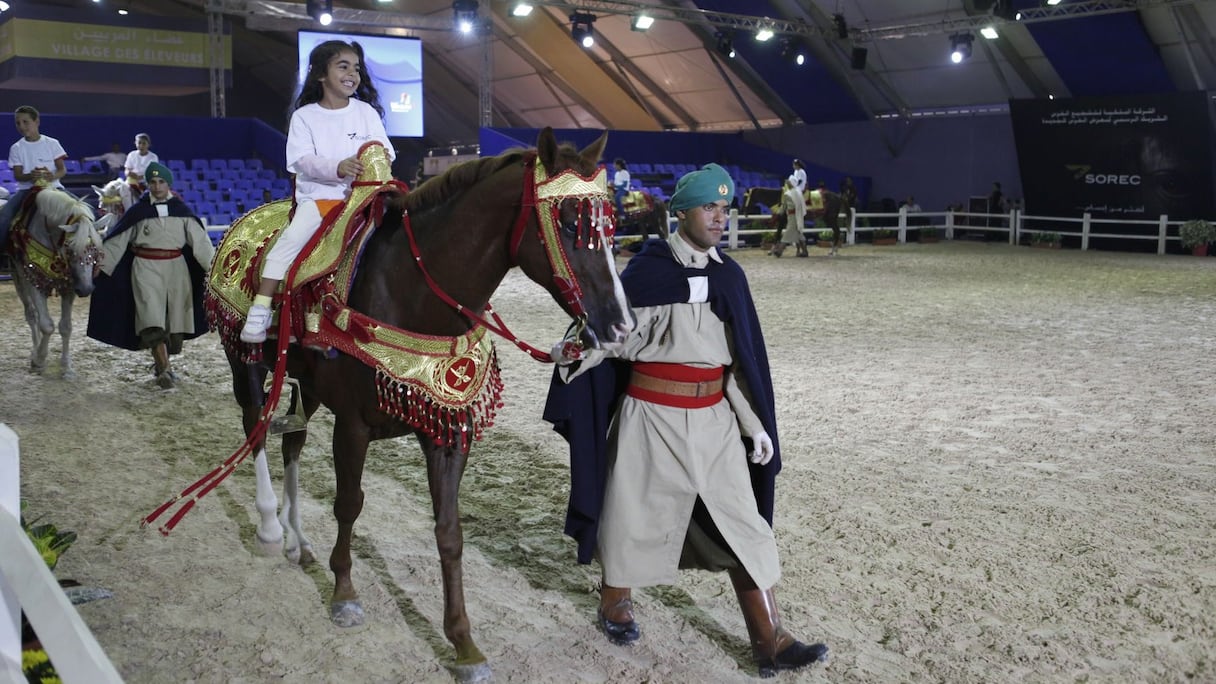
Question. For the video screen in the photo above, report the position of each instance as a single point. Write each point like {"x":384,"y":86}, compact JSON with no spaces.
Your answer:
{"x":395,"y":65}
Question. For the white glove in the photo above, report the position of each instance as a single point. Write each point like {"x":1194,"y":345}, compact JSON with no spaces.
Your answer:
{"x":565,"y":352}
{"x":762,"y":449}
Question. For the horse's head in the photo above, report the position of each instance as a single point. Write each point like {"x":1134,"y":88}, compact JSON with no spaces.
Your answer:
{"x":114,"y":197}
{"x":571,"y":253}
{"x":66,"y":225}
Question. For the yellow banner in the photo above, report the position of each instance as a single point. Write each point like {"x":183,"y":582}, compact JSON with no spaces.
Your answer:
{"x":34,"y":38}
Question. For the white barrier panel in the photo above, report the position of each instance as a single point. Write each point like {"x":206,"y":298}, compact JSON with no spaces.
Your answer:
{"x":10,"y":608}
{"x":74,"y":652}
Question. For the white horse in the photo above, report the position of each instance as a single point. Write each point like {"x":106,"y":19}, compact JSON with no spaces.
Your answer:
{"x":55,"y":252}
{"x":113,"y":199}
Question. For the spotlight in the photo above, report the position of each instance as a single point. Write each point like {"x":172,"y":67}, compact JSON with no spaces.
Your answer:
{"x":465,"y":13}
{"x":764,"y":33}
{"x":321,"y":10}
{"x":791,"y":52}
{"x":989,"y":33}
{"x":1004,"y":10}
{"x":726,"y":46}
{"x":1053,"y":2}
{"x":842,"y":28}
{"x":521,"y":9}
{"x":580,"y":28}
{"x":960,"y":47}
{"x":3,"y":6}
{"x":641,"y":22}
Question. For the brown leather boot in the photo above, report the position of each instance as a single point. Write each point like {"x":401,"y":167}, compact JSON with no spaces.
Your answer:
{"x":164,"y":374}
{"x":773,"y":648}
{"x":615,"y":615}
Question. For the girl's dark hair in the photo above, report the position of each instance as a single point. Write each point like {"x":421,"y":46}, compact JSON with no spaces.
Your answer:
{"x":620,"y":162}
{"x":318,"y":65}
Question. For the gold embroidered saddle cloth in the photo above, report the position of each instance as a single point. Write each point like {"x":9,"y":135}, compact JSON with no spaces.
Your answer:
{"x":240,"y":255}
{"x":637,"y":202}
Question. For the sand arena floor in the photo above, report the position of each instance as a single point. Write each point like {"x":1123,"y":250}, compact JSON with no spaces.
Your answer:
{"x":998,"y":468}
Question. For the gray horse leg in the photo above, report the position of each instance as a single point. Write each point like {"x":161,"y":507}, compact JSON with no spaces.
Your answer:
{"x":65,"y":333}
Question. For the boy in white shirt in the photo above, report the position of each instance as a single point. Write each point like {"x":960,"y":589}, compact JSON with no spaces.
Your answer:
{"x":35,"y":158}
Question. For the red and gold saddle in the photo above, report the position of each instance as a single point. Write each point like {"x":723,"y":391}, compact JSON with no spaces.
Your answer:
{"x":637,"y":203}
{"x":448,"y":387}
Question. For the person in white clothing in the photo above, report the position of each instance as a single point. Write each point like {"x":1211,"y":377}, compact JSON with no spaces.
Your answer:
{"x":35,"y":158}
{"x":799,"y":176}
{"x":137,"y":163}
{"x":620,"y":186}
{"x":337,"y":111}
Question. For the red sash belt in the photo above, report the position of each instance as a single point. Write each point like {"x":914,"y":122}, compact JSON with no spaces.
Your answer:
{"x":674,"y":384}
{"x":153,"y":253}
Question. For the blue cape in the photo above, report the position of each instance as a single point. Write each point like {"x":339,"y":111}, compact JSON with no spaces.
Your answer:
{"x":112,"y":304}
{"x":582,"y":410}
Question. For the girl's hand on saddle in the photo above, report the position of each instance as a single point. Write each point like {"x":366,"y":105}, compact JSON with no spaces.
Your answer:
{"x":350,"y":166}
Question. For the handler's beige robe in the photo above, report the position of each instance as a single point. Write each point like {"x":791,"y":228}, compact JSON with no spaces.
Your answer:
{"x":161,"y":286}
{"x":664,"y":457}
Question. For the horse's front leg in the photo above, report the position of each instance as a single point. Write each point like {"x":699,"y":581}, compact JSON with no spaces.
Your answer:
{"x":299,"y":546}
{"x":445,"y":468}
{"x":65,"y":333}
{"x":41,"y":327}
{"x":350,"y":449}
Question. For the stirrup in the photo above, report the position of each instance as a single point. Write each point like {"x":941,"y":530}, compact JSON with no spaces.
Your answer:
{"x":295,"y":421}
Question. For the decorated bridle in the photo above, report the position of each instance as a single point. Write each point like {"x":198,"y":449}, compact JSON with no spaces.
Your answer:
{"x":48,"y":265}
{"x":594,"y":229}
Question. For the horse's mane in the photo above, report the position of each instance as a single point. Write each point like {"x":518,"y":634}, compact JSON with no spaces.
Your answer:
{"x":458,"y":178}
{"x":58,"y":207}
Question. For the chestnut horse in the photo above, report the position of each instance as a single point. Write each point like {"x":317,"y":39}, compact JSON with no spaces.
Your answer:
{"x":430,"y":266}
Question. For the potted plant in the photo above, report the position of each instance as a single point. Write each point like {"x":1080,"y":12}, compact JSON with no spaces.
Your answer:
{"x":928,"y":234}
{"x":50,"y":543}
{"x":1195,"y":236}
{"x":768,"y":239}
{"x":824,"y":238}
{"x":1045,"y":240}
{"x":884,"y":236}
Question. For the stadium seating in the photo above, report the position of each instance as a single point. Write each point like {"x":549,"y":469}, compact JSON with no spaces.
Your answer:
{"x":199,"y":164}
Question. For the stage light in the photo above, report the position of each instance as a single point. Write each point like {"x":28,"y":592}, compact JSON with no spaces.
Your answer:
{"x":3,"y":6}
{"x":790,"y":51}
{"x":960,"y":47}
{"x":641,"y":22}
{"x":764,"y":33}
{"x":726,"y":46}
{"x":321,"y":10}
{"x":989,"y":33}
{"x":1053,"y":3}
{"x":521,"y":9}
{"x":465,"y":14}
{"x":581,"y":30}
{"x":842,"y":28}
{"x":1003,"y":9}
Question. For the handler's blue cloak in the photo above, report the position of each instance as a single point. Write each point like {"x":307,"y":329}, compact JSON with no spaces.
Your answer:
{"x":112,"y":304}
{"x":582,"y":410}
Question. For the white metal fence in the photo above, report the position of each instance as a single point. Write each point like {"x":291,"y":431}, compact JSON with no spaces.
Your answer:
{"x":1013,"y":226}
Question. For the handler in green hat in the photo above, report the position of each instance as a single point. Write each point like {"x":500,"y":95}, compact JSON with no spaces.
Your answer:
{"x":156,"y":256}
{"x":682,"y":475}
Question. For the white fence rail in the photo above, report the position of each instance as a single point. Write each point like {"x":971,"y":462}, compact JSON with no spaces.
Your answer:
{"x":1013,"y":225}
{"x":26,"y":582}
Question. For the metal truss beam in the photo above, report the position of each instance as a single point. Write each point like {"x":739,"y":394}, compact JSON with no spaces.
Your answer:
{"x":743,"y":22}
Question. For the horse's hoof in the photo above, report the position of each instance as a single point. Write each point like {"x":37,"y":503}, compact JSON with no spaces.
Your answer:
{"x":479,"y":672}
{"x":346,"y":614}
{"x":270,"y":549}
{"x":307,"y":557}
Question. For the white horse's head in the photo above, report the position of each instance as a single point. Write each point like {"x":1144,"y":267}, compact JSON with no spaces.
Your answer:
{"x":114,"y":197}
{"x":66,"y":224}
